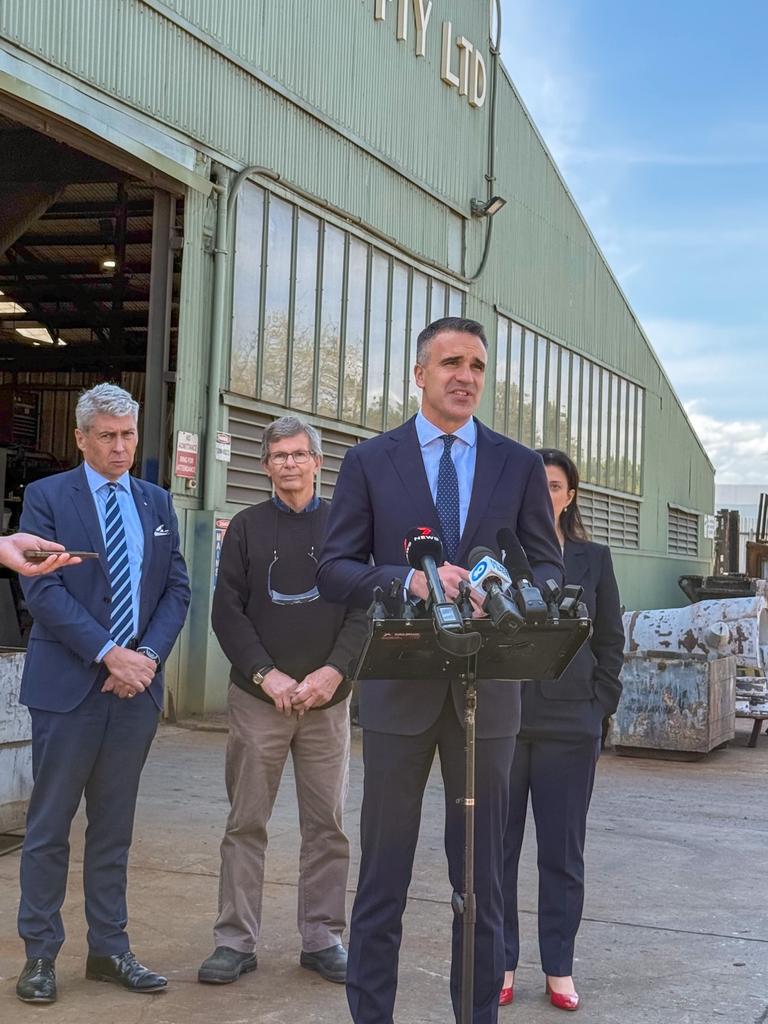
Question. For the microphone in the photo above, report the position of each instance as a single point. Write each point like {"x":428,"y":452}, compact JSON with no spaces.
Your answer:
{"x":488,"y":577}
{"x":464,"y":602}
{"x":551,"y":594}
{"x":527,"y":596}
{"x":424,"y":551}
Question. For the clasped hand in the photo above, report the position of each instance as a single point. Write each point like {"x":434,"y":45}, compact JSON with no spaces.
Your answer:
{"x":129,"y":672}
{"x":289,"y":695}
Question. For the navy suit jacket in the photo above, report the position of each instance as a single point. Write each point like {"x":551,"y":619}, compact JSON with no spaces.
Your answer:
{"x":71,"y":608}
{"x":382,"y":493}
{"x":591,"y":686}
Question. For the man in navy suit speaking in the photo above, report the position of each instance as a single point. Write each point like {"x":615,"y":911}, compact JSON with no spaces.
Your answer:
{"x":93,"y":683}
{"x":446,"y":470}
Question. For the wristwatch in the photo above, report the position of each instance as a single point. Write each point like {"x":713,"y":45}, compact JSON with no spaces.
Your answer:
{"x":149,"y":653}
{"x":258,"y":677}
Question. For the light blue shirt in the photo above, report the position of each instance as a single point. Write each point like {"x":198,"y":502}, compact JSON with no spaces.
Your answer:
{"x":134,"y":533}
{"x":464,"y":455}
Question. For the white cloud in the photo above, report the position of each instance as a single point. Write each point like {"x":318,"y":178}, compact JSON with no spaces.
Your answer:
{"x":719,"y":368}
{"x":624,"y":273}
{"x":537,"y":51}
{"x":737,"y":448}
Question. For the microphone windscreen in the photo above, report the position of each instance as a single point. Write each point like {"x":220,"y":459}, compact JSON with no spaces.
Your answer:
{"x":420,"y":543}
{"x":515,"y":559}
{"x":485,"y":568}
{"x":478,"y":554}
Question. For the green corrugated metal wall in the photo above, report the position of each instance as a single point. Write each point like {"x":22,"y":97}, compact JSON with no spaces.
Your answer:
{"x":329,"y":98}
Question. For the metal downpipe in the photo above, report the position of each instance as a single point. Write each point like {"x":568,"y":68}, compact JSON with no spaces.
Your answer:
{"x":490,"y":176}
{"x":225,"y":204}
{"x":220,"y":253}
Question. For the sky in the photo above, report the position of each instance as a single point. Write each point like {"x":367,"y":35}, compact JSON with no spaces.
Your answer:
{"x":657,"y":116}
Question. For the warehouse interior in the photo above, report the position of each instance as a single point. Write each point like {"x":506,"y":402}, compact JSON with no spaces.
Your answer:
{"x":90,"y":262}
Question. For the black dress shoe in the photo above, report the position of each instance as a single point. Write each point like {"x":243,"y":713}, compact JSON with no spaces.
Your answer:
{"x":124,"y":969}
{"x":37,"y":982}
{"x":330,"y":963}
{"x":225,"y":965}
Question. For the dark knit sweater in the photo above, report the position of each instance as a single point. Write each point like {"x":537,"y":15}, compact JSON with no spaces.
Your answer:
{"x":252,"y":629}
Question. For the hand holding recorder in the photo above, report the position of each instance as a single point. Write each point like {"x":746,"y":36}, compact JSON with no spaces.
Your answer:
{"x":33,"y":556}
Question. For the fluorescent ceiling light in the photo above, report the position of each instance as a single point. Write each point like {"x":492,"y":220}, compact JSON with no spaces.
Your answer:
{"x":8,"y":307}
{"x":36,"y":334}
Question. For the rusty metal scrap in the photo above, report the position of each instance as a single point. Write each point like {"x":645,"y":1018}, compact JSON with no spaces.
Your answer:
{"x":715,"y":629}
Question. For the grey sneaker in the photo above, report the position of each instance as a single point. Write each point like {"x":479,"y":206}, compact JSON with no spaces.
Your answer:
{"x":330,"y":963}
{"x":225,"y":965}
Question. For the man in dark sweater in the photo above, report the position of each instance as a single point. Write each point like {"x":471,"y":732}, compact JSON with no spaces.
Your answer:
{"x":291,"y":653}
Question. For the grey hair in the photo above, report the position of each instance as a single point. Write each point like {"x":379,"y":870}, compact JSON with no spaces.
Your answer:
{"x":289,"y":426}
{"x":107,"y":399}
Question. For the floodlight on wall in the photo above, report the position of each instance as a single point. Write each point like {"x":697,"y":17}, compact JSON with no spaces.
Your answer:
{"x":487,"y":207}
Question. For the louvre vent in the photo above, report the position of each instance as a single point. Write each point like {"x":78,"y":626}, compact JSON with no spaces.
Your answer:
{"x":609,"y":519}
{"x":682,"y":533}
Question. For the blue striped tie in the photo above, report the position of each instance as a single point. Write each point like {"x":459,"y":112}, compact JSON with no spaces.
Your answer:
{"x":447,"y":500}
{"x":121,"y":620}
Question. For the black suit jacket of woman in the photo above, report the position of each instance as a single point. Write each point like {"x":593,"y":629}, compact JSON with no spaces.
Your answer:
{"x":590,"y":687}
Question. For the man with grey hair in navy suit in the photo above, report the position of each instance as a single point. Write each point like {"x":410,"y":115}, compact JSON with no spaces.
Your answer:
{"x":93,"y":683}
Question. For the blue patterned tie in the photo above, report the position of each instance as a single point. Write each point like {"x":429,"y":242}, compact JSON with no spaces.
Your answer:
{"x":447,"y":500}
{"x":121,"y":619}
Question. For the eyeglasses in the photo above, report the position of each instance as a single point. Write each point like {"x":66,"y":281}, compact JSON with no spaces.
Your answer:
{"x":301,"y":458}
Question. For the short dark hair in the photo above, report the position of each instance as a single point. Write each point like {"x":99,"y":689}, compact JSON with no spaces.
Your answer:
{"x":447,"y":323}
{"x":570,"y":518}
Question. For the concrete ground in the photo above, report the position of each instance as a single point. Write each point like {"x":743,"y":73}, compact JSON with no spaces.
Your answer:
{"x":675,"y":928}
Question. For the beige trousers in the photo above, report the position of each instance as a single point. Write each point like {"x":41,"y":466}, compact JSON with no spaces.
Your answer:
{"x":258,"y":745}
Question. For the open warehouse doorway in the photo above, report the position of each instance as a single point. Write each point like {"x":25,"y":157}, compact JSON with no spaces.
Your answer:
{"x":90,"y":263}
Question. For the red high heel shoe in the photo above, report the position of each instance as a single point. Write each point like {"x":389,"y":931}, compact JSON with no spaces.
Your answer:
{"x":507,"y":995}
{"x":563,"y":1000}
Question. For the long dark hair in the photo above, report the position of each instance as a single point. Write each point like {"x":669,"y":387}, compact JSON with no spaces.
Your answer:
{"x":571,"y":524}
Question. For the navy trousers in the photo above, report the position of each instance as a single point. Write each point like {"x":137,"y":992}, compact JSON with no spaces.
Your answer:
{"x":99,"y":750}
{"x":559,"y":775}
{"x":396,"y":772}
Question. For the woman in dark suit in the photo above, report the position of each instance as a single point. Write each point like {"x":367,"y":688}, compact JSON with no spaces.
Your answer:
{"x":557,"y":751}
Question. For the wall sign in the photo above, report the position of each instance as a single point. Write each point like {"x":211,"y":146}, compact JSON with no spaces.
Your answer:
{"x":223,"y":447}
{"x":462,"y":66}
{"x":187,"y":447}
{"x":220,"y":529}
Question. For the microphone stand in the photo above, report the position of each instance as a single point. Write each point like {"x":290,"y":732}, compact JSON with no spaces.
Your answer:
{"x":464,"y":904}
